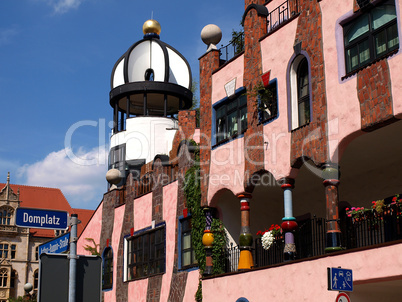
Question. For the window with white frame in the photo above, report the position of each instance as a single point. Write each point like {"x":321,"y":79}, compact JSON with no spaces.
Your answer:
{"x":371,"y":36}
{"x":145,"y":253}
{"x":231,"y":117}
{"x":300,"y":94}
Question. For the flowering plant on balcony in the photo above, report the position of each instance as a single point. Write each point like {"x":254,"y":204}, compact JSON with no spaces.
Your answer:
{"x":268,"y":236}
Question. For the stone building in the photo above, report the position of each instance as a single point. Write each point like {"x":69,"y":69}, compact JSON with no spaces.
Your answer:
{"x":299,"y":130}
{"x":19,"y":259}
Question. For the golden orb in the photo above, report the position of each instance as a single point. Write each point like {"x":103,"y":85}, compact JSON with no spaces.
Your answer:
{"x":151,"y":27}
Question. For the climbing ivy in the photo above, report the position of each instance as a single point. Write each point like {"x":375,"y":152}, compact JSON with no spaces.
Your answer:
{"x":192,"y":191}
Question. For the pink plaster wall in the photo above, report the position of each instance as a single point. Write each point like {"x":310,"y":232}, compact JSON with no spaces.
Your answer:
{"x":341,"y":94}
{"x":307,"y":280}
{"x":225,"y":75}
{"x":142,"y":212}
{"x":196,"y":136}
{"x":169,"y":215}
{"x":276,"y":59}
{"x":92,"y":230}
{"x":395,"y":63}
{"x":118,"y":221}
{"x":227,"y":166}
{"x":191,"y":286}
{"x":137,"y":290}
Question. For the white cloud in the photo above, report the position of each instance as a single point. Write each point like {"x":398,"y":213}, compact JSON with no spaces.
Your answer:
{"x":82,"y":183}
{"x":63,"y":6}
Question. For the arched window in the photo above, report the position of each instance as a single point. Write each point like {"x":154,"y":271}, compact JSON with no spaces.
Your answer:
{"x":149,"y":75}
{"x":299,"y":92}
{"x":303,"y":94}
{"x":107,"y":274}
{"x":6,"y":213}
{"x":3,"y":277}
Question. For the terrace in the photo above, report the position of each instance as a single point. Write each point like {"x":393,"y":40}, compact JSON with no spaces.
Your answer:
{"x":276,"y":18}
{"x":360,"y":228}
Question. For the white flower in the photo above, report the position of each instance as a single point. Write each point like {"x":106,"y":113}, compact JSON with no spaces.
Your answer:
{"x":267,"y":239}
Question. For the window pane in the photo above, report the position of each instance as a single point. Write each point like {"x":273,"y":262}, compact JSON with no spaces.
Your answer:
{"x":243,"y":119}
{"x":352,"y":58}
{"x":381,"y":43}
{"x":304,"y":112}
{"x":364,"y":51}
{"x":186,"y":260}
{"x":232,"y":123}
{"x":392,"y":33}
{"x":382,"y":15}
{"x":186,"y":241}
{"x":359,"y":28}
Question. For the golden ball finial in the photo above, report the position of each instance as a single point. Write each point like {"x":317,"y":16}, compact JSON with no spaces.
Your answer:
{"x":151,"y":27}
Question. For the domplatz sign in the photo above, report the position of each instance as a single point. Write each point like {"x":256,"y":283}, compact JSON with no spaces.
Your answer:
{"x":41,"y":219}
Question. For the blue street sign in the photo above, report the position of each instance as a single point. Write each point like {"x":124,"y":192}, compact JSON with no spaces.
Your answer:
{"x":56,"y":246}
{"x":340,"y":279}
{"x":41,"y":219}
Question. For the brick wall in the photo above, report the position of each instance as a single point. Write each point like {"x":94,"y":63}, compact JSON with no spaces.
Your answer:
{"x":255,"y":27}
{"x":311,"y":140}
{"x":208,"y":63}
{"x":374,"y":93}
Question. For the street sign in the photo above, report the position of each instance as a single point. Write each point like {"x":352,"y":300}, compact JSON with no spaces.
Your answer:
{"x":41,"y":219}
{"x":340,"y":279}
{"x":342,"y":297}
{"x":56,"y":246}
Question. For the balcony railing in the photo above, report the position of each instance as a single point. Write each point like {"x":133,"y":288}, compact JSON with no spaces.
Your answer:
{"x":282,"y":14}
{"x":370,"y":228}
{"x":235,"y":46}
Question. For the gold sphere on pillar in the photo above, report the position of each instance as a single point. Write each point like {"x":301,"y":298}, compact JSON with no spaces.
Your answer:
{"x":151,"y":27}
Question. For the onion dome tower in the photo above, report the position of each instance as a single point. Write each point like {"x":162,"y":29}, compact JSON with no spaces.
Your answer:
{"x":150,"y":83}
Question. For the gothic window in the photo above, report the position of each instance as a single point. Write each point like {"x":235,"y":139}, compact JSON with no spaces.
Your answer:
{"x":3,"y":277}
{"x":3,"y":250}
{"x":6,"y":213}
{"x":36,"y":281}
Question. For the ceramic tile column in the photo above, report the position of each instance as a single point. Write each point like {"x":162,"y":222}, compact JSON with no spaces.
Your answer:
{"x":246,"y":238}
{"x":289,"y":224}
{"x":331,"y":175}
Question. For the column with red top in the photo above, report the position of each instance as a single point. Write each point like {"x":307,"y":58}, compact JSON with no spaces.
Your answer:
{"x":331,"y":175}
{"x":246,"y":238}
{"x":289,"y":224}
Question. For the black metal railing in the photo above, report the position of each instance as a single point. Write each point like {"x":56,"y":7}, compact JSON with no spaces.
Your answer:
{"x":370,"y":228}
{"x":282,"y":14}
{"x":235,"y":46}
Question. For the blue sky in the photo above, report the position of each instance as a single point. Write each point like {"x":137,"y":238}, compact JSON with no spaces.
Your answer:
{"x":56,"y":57}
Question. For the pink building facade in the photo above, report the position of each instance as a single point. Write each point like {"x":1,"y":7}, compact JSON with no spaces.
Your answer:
{"x":298,"y":128}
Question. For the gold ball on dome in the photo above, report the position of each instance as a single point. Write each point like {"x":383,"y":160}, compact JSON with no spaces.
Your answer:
{"x":151,"y":27}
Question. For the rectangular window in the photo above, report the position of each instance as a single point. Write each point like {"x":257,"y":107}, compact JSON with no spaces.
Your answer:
{"x":231,"y":118}
{"x":117,"y":157}
{"x":187,"y":249}
{"x":146,"y":254}
{"x":268,"y":102}
{"x":371,"y":36}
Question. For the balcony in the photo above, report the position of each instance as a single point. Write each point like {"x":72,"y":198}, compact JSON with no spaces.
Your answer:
{"x":281,"y":15}
{"x":361,"y":229}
